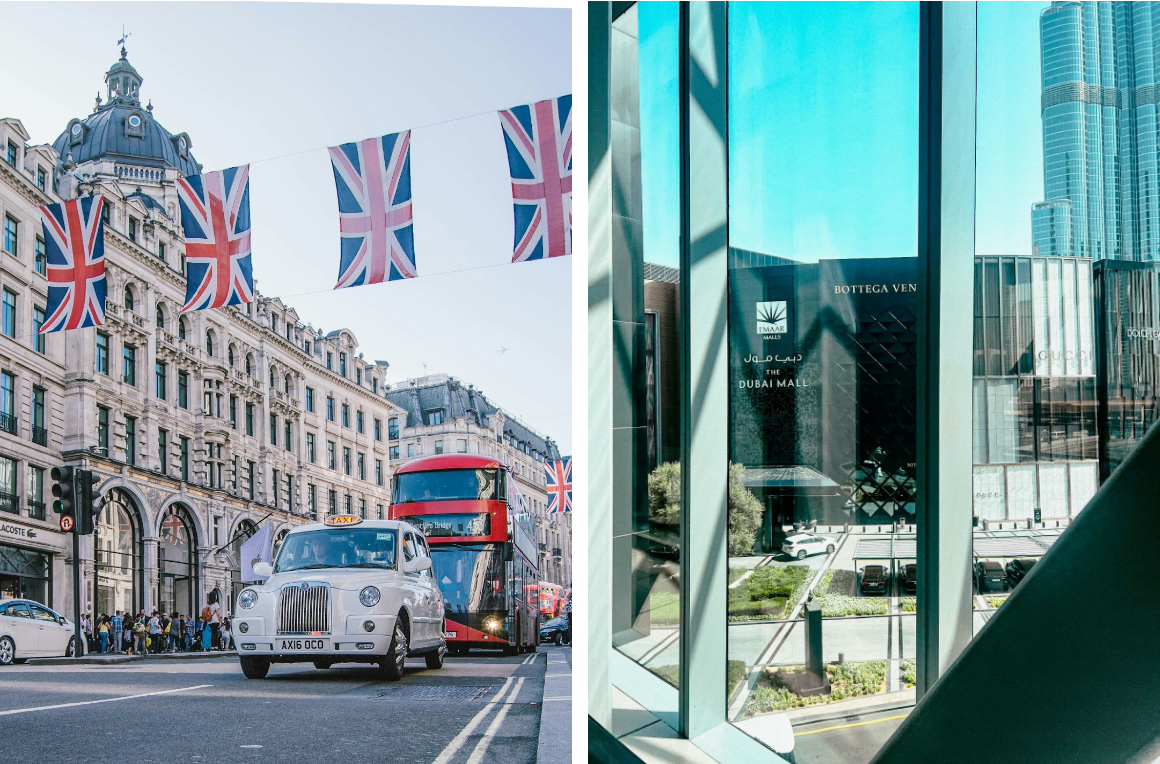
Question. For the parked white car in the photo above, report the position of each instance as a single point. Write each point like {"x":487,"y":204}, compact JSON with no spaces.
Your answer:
{"x":30,"y":630}
{"x":802,"y":545}
{"x":347,"y":590}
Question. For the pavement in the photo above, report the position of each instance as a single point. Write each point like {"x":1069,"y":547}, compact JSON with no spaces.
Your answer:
{"x":482,"y":708}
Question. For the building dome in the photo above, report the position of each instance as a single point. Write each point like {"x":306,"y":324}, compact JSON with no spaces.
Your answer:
{"x":123,"y":130}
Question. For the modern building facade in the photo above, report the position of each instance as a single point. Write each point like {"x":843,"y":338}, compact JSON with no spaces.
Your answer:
{"x":1100,"y":132}
{"x":439,"y":414}
{"x":200,"y":425}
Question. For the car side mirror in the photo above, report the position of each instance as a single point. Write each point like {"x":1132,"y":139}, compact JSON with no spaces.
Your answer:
{"x":263,"y":569}
{"x":62,"y":620}
{"x":419,"y":564}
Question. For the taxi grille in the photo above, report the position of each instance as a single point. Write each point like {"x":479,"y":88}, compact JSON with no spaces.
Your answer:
{"x":304,"y":610}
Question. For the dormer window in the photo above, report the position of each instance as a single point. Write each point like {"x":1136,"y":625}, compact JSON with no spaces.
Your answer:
{"x":132,"y":228}
{"x":76,"y":134}
{"x":135,"y":126}
{"x":41,"y":178}
{"x":10,"y":154}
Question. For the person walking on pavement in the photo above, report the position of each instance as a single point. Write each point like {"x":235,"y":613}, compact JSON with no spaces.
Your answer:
{"x":103,"y":633}
{"x":215,"y":619}
{"x":154,"y":633}
{"x":117,"y":630}
{"x":189,"y":627}
{"x":139,"y":636}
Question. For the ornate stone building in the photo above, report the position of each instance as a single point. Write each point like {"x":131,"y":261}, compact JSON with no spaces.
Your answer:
{"x":200,"y":425}
{"x":442,"y":415}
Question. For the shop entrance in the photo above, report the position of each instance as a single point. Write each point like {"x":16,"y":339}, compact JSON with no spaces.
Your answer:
{"x":25,"y":573}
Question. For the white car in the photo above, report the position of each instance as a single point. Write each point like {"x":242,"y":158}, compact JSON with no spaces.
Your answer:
{"x":343,"y":591}
{"x":30,"y":630}
{"x":801,"y":545}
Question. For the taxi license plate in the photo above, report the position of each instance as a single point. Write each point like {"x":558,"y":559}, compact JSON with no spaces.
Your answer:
{"x":303,"y":645}
{"x":450,"y":634}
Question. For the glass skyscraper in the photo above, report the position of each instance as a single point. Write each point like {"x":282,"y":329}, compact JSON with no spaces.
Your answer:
{"x":1099,"y":109}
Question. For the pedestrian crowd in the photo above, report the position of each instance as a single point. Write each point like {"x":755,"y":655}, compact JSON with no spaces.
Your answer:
{"x":151,"y":634}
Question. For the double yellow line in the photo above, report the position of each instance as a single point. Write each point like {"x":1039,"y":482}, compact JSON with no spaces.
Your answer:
{"x":853,"y":724}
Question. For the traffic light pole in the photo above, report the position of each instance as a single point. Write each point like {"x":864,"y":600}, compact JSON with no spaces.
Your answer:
{"x":80,"y":645}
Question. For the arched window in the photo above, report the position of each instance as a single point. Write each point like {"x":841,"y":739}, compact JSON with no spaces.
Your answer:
{"x":273,"y":377}
{"x":209,"y":343}
{"x":160,"y":317}
{"x":181,"y":327}
{"x":231,"y":354}
{"x":119,"y":555}
{"x":249,"y":365}
{"x":289,"y":383}
{"x":128,"y":297}
{"x":177,"y":561}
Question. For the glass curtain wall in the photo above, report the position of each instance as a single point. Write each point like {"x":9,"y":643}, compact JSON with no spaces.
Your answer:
{"x":823,"y":204}
{"x":1065,"y":271}
{"x":647,"y":539}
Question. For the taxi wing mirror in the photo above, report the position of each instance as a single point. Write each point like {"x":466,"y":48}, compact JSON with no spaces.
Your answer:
{"x":263,"y":569}
{"x":419,"y":564}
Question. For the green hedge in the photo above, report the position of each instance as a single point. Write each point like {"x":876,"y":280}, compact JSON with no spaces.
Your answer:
{"x":736,"y":573}
{"x":908,"y":673}
{"x":848,"y":680}
{"x":768,"y":593}
{"x":838,"y":605}
{"x":736,"y":671}
{"x":908,"y":604}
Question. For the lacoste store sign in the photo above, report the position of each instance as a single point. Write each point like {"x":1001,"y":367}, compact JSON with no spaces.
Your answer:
{"x":8,"y":530}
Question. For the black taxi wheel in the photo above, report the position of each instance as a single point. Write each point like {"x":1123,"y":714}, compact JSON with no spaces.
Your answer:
{"x":255,"y":668}
{"x":391,"y":665}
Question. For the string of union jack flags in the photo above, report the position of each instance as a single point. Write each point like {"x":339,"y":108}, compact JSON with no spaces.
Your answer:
{"x":372,"y":178}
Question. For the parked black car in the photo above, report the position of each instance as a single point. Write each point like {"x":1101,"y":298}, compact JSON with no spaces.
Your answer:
{"x":558,"y":630}
{"x":874,"y":579}
{"x":910,"y":579}
{"x":1018,"y":569}
{"x":989,"y":577}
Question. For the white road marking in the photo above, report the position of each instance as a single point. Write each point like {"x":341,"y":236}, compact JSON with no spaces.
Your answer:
{"x":481,"y":747}
{"x":457,"y":742}
{"x":105,"y":700}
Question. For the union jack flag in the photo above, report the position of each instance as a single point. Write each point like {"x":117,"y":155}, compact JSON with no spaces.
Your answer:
{"x":215,"y":213}
{"x":539,"y":148}
{"x":373,"y":178}
{"x":173,"y":529}
{"x":74,"y":237}
{"x":559,"y":485}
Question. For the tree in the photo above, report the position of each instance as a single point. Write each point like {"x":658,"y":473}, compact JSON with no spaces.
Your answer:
{"x":664,"y":505}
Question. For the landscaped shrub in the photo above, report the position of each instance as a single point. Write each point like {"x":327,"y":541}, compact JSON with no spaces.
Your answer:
{"x":908,"y":673}
{"x":836,"y":581}
{"x":736,"y":573}
{"x":664,"y":505}
{"x":996,"y":601}
{"x":735,"y":674}
{"x":908,"y":604}
{"x":768,"y":593}
{"x":672,"y":674}
{"x":848,"y":680}
{"x":838,"y":605}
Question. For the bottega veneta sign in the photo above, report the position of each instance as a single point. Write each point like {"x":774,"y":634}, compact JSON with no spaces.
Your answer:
{"x":874,"y":288}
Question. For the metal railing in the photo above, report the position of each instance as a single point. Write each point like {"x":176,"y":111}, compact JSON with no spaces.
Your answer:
{"x":39,"y":435}
{"x":36,"y":509}
{"x":8,"y":423}
{"x":9,"y":502}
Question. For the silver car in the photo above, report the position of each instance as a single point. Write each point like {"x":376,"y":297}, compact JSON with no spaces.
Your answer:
{"x":30,"y":630}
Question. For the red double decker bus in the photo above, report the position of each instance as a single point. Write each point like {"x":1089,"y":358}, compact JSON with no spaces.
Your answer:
{"x":551,"y":600}
{"x":482,"y":540}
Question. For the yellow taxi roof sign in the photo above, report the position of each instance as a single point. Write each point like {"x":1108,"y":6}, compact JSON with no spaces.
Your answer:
{"x":343,"y":520}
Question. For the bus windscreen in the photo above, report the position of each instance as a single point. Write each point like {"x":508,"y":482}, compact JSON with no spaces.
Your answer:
{"x":471,"y":578}
{"x":445,"y":485}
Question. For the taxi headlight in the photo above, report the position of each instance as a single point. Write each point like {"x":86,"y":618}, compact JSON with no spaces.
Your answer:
{"x":248,"y":598}
{"x":369,"y":596}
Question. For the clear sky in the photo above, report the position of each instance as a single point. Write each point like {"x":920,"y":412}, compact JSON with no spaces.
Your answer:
{"x":824,"y":128}
{"x":274,"y":85}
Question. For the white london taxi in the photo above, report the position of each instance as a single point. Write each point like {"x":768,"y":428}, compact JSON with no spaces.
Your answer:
{"x":342,"y":591}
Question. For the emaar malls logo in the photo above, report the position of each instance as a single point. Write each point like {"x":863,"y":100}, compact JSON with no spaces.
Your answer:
{"x":772,"y":317}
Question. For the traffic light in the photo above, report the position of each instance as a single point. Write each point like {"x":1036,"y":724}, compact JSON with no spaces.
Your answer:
{"x":86,"y":509}
{"x":64,"y":495}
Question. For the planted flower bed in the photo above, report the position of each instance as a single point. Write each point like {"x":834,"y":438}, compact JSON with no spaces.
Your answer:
{"x":848,"y":680}
{"x":768,"y":594}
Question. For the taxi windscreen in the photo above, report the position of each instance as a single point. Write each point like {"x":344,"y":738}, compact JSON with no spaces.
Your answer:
{"x":339,"y":548}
